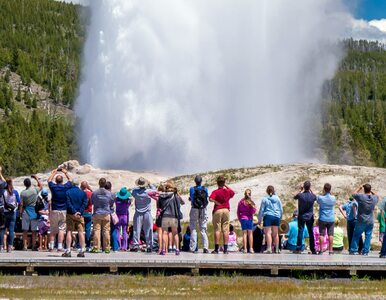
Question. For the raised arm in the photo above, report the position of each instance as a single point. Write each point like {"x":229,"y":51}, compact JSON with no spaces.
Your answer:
{"x":65,"y":172}
{"x":358,"y":189}
{"x":38,"y":182}
{"x":1,"y":174}
{"x":52,"y":176}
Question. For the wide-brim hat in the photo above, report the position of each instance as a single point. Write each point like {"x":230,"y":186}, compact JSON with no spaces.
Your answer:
{"x":142,"y":182}
{"x":123,"y":194}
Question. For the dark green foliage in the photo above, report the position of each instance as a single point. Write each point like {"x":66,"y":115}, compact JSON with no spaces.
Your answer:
{"x":354,"y":118}
{"x":35,"y":143}
{"x":42,"y":40}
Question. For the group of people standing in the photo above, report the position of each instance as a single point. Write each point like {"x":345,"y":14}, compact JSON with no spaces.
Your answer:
{"x":101,"y":218}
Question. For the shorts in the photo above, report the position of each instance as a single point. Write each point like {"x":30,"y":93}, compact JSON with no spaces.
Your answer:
{"x":246,"y":224}
{"x":269,"y":221}
{"x":326,"y":225}
{"x":169,"y":222}
{"x":58,"y":221}
{"x":43,"y":226}
{"x":158,"y":222}
{"x":221,"y":220}
{"x":74,"y":223}
{"x":27,"y":223}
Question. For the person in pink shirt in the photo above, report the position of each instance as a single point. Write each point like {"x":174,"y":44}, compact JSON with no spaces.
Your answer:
{"x":245,"y":211}
{"x":318,"y":247}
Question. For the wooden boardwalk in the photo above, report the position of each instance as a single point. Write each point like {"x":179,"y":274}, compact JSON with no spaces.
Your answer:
{"x":270,"y":264}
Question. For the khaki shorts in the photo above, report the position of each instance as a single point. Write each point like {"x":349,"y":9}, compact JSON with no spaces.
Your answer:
{"x":57,"y":221}
{"x":221,"y":220}
{"x":169,"y":222}
{"x":74,"y":223}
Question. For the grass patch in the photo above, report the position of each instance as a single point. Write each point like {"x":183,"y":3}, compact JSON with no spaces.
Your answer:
{"x":156,"y":286}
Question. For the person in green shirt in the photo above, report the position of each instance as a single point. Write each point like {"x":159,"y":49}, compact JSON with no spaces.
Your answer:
{"x":337,"y":243}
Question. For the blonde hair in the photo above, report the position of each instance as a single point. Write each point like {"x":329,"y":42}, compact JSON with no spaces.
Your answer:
{"x":248,"y":197}
{"x":170,"y":187}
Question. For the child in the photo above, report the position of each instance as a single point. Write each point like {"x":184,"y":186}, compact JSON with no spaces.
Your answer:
{"x":122,"y":204}
{"x":186,"y":240}
{"x":42,"y":209}
{"x":245,"y":211}
{"x":318,"y":247}
{"x":232,"y":241}
{"x":338,"y":237}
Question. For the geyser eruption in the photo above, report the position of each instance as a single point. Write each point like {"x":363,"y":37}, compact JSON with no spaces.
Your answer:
{"x":179,"y":85}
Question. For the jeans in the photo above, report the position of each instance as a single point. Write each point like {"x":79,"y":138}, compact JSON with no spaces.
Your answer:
{"x":309,"y":224}
{"x":359,"y":229}
{"x":350,"y":232}
{"x":87,"y":228}
{"x":9,"y":223}
{"x":383,"y":249}
{"x":145,"y":221}
{"x":200,"y":217}
{"x":113,"y":237}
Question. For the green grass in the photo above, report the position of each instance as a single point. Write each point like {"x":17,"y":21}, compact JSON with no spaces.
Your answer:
{"x":153,"y":286}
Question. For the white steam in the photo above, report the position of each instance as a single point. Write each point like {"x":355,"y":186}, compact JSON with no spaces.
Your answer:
{"x":179,"y":85}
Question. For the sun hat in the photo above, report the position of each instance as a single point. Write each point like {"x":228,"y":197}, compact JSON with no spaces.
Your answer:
{"x":75,"y":181}
{"x":141,"y":182}
{"x":123,"y":194}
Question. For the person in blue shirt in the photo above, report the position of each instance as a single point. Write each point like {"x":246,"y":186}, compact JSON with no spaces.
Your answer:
{"x":349,"y":210}
{"x":291,"y":242}
{"x":198,"y":196}
{"x":76,"y":204}
{"x":326,"y":217}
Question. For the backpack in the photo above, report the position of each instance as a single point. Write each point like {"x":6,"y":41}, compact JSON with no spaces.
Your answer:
{"x":39,"y":205}
{"x":200,"y":198}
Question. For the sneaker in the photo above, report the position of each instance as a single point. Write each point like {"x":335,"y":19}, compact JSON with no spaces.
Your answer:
{"x":94,"y":250}
{"x":24,"y":249}
{"x":267,"y":252}
{"x":243,"y":251}
{"x":80,"y":254}
{"x":320,"y":253}
{"x":330,"y":253}
{"x":215,"y":252}
{"x":382,"y":256}
{"x":353,"y":253}
{"x":162,"y":253}
{"x":61,"y":250}
{"x":9,"y":249}
{"x":226,"y":252}
{"x":134,"y":249}
{"x":177,"y":252}
{"x":277,"y":251}
{"x":51,"y":250}
{"x":251,"y":251}
{"x":297,"y":252}
{"x":107,"y":251}
{"x":205,"y":251}
{"x":365,"y":254}
{"x":148,"y":250}
{"x":66,"y":254}
{"x":2,"y":250}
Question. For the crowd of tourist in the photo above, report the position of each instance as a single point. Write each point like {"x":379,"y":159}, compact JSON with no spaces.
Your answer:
{"x":72,"y":215}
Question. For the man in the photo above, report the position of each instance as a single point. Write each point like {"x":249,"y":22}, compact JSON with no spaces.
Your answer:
{"x":29,"y":217}
{"x":382,"y":207}
{"x":326,"y":217}
{"x":365,"y":220}
{"x":221,"y":216}
{"x":87,"y":214}
{"x":142,"y":216}
{"x":58,"y":208}
{"x":198,"y":214}
{"x":306,"y":199}
{"x":349,"y":210}
{"x":76,"y":204}
{"x":103,"y":202}
{"x":291,"y":242}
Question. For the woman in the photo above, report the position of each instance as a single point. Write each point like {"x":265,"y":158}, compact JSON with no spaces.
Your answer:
{"x":245,"y":211}
{"x":122,"y":204}
{"x":11,"y":202}
{"x":271,"y":211}
{"x":169,"y":205}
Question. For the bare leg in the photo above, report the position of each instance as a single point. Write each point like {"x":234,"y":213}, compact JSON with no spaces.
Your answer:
{"x":25,"y":239}
{"x":160,"y":239}
{"x":268,"y":238}
{"x":33,"y":240}
{"x":68,"y":240}
{"x":275,"y":237}
{"x":330,"y":243}
{"x":245,"y":233}
{"x":321,"y":239}
{"x":217,"y":235}
{"x":176,"y":239}
{"x":82,"y":241}
{"x":61,"y":237}
{"x":165,"y":241}
{"x":250,"y":240}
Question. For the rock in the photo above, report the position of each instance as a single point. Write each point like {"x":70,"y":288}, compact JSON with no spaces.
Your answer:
{"x":86,"y":169}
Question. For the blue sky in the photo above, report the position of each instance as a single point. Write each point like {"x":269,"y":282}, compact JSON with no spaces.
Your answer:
{"x":367,"y":9}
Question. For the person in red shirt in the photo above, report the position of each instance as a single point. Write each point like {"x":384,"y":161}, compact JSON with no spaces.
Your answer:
{"x":221,"y":217}
{"x":87,"y":214}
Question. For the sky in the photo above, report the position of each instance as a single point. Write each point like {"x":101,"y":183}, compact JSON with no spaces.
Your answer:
{"x":368,"y":9}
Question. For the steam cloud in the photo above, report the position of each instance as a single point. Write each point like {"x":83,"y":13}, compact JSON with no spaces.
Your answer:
{"x":193,"y":85}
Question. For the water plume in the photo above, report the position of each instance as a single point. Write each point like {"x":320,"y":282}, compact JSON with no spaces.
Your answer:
{"x":187,"y":85}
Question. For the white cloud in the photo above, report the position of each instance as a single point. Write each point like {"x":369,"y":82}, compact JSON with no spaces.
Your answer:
{"x":368,"y":30}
